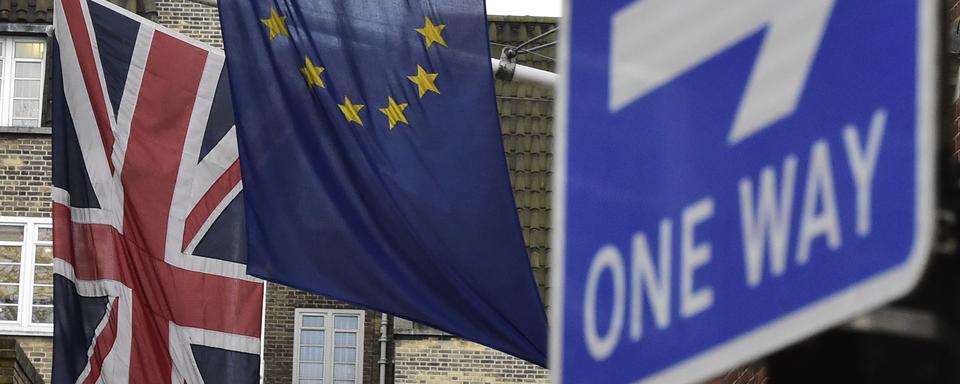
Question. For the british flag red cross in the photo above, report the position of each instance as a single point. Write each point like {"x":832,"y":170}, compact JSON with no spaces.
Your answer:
{"x":150,"y":283}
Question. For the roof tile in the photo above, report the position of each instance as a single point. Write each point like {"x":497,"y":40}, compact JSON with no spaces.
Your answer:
{"x":526,"y":118}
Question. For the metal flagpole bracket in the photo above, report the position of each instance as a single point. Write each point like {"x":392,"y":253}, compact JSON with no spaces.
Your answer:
{"x":506,"y":68}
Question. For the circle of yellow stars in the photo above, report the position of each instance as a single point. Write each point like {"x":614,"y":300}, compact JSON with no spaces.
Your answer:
{"x":424,"y":80}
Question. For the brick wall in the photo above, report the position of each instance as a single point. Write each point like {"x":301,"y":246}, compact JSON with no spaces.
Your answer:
{"x":39,"y":349}
{"x":282,"y":301}
{"x":198,"y":21}
{"x":25,"y":175}
{"x":439,"y":359}
{"x":15,"y":368}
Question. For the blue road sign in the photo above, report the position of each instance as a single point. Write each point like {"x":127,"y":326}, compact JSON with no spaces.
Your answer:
{"x":734,"y":177}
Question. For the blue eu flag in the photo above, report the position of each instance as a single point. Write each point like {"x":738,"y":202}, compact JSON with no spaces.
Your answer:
{"x":373,"y":167}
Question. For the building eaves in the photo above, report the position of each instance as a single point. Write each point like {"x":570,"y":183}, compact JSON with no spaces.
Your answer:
{"x":41,"y":11}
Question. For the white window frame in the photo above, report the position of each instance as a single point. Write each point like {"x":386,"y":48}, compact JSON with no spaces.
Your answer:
{"x":7,"y":75}
{"x":24,"y":324}
{"x":328,"y":344}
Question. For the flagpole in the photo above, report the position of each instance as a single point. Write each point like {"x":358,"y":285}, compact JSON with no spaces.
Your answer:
{"x":506,"y":70}
{"x":515,"y":72}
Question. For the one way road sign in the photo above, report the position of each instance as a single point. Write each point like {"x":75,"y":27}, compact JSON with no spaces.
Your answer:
{"x":734,"y":176}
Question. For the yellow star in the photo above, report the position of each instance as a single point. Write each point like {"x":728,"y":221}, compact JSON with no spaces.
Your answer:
{"x":394,"y":112}
{"x":350,"y":110}
{"x":431,"y":33}
{"x":312,"y":73}
{"x":276,"y":23}
{"x":424,"y":81}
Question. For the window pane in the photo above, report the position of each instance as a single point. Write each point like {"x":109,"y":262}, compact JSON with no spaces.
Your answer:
{"x":345,"y":339}
{"x":43,"y":315}
{"x":26,"y":108}
{"x":311,"y":353}
{"x":26,"y":70}
{"x":8,"y":294}
{"x":344,"y":371}
{"x":8,"y":312}
{"x":345,"y":322}
{"x":26,"y":88}
{"x":308,"y":337}
{"x":9,"y":254}
{"x":344,"y":381}
{"x":43,"y":275}
{"x":44,"y":254}
{"x":318,"y":381}
{"x":45,"y":234}
{"x":311,"y":370}
{"x":9,"y":273}
{"x":42,"y":295}
{"x":11,"y":233}
{"x":313,"y":321}
{"x":29,"y":50}
{"x":344,"y":355}
{"x":26,"y":122}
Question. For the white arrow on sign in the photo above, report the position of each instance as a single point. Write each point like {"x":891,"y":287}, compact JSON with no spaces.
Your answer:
{"x":654,"y":41}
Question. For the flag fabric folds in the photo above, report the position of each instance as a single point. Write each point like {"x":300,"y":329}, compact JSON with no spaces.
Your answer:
{"x":373,"y":164}
{"x":150,"y":279}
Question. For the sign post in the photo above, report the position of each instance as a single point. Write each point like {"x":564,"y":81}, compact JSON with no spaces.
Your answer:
{"x":733,"y":178}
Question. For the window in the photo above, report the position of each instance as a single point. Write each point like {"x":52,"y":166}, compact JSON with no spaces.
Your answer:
{"x":26,"y":275}
{"x":21,"y":80}
{"x":328,"y":346}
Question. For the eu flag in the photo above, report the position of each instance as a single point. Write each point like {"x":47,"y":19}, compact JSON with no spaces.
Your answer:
{"x":373,"y":166}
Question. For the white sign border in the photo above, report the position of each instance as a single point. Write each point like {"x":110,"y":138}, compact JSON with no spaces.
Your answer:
{"x":813,"y":318}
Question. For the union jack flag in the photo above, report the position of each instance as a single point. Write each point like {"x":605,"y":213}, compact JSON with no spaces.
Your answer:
{"x":151,"y":282}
